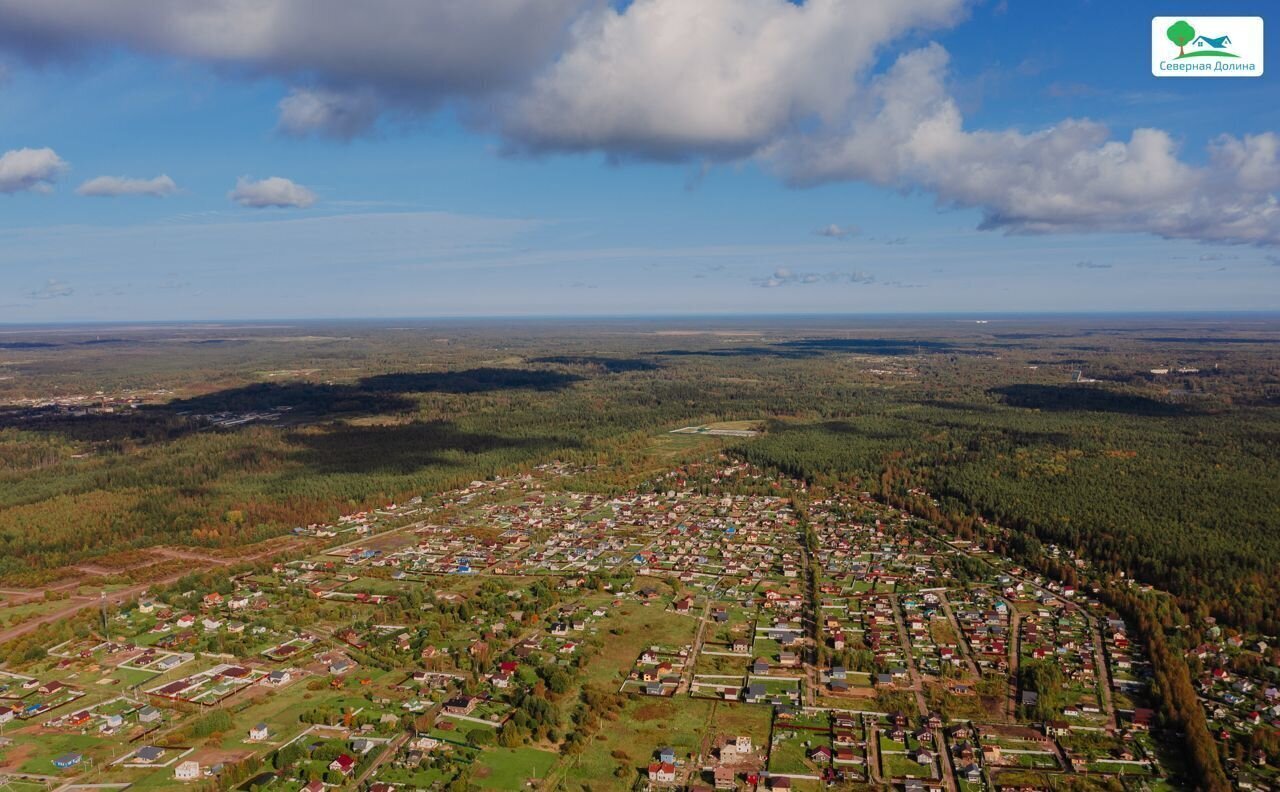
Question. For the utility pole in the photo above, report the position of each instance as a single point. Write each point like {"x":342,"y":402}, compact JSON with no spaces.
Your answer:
{"x":102,"y":604}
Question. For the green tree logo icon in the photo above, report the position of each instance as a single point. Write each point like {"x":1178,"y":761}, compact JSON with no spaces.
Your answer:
{"x":1181,"y":34}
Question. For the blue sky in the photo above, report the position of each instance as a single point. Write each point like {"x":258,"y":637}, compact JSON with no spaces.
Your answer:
{"x":475,"y":200}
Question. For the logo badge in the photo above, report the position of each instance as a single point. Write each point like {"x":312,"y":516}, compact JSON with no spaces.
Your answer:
{"x":1206,"y":46}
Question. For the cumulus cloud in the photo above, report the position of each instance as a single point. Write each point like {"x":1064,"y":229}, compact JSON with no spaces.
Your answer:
{"x":274,"y":191}
{"x":338,"y":114}
{"x":111,"y":186}
{"x":1070,"y":177}
{"x":30,"y":170}
{"x":673,"y":79}
{"x":418,"y":54}
{"x":785,"y":83}
{"x":52,"y":290}
{"x":784,"y":276}
{"x":1253,"y":161}
{"x":835,"y":231}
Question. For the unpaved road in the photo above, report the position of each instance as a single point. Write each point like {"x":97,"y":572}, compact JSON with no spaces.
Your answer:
{"x":79,"y":602}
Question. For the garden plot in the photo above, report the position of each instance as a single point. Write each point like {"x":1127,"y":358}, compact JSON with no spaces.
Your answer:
{"x":657,"y":672}
{"x":289,"y":649}
{"x":209,"y":687}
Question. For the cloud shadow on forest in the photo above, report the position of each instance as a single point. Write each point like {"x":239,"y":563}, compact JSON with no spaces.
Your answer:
{"x":805,"y":348}
{"x":403,"y":448}
{"x":302,"y":402}
{"x":1084,"y":398}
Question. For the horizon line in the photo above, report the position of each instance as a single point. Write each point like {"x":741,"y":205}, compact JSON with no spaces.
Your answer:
{"x":659,"y":315}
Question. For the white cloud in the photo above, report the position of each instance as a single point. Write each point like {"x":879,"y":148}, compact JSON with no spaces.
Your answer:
{"x":673,"y":79}
{"x":665,"y":78}
{"x":784,"y":276}
{"x":274,"y":191}
{"x":786,"y":83}
{"x":413,"y":53}
{"x":1070,"y":177}
{"x":111,"y":186}
{"x":339,"y":114}
{"x":52,"y":289}
{"x":30,"y":170}
{"x":1254,"y":160}
{"x":836,"y":231}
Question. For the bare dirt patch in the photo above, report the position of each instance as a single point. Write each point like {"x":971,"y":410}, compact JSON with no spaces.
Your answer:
{"x":16,"y":756}
{"x":652,"y":712}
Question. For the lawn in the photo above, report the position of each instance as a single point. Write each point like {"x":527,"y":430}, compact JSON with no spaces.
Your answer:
{"x":510,"y":768}
{"x":719,"y":664}
{"x":132,"y":677}
{"x":900,"y":766}
{"x":790,"y":755}
{"x":51,"y":746}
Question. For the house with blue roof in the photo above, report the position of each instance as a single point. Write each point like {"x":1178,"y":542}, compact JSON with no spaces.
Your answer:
{"x":67,"y":760}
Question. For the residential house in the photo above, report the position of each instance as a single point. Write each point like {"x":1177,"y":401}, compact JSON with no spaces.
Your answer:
{"x":67,"y":760}
{"x":147,"y":754}
{"x":662,"y":773}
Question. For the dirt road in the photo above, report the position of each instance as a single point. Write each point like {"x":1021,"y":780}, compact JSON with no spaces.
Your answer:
{"x":199,"y":562}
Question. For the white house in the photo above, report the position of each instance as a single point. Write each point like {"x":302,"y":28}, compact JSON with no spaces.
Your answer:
{"x":187,"y":771}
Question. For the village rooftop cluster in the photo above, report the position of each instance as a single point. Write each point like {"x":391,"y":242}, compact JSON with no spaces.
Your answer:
{"x":713,"y":627}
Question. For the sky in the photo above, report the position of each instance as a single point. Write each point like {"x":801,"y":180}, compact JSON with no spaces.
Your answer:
{"x":290,"y":159}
